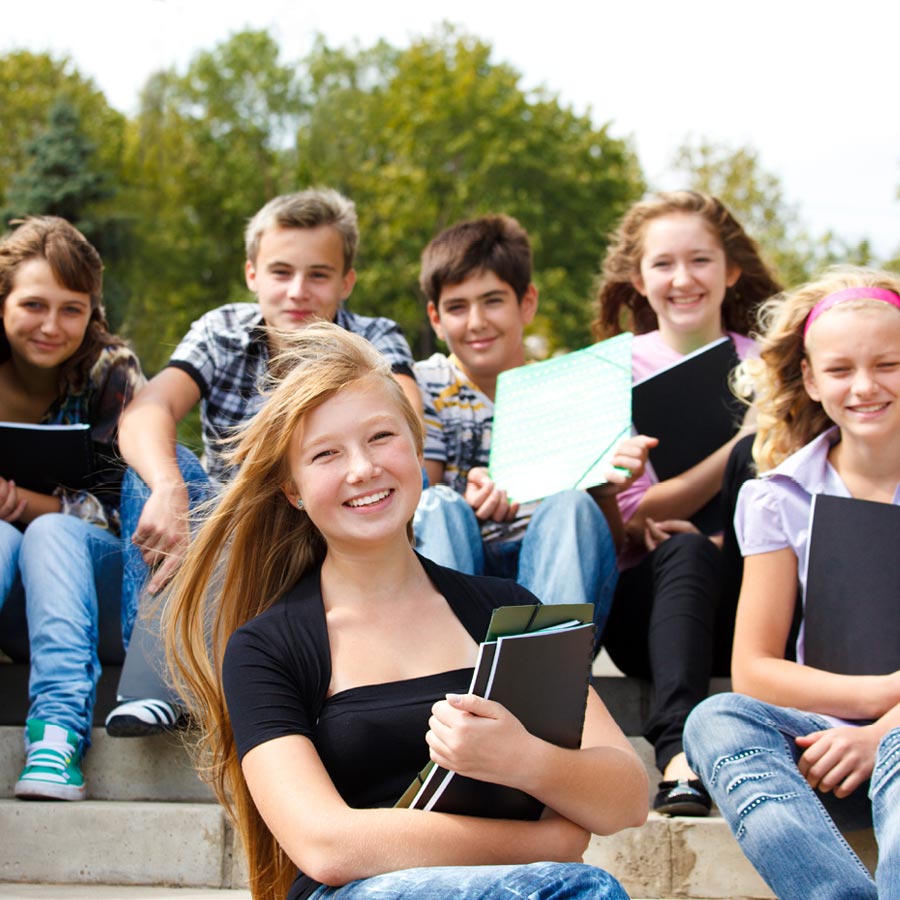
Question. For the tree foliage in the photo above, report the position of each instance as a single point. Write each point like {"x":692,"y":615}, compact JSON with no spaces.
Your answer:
{"x":437,"y":132}
{"x":756,"y":198}
{"x":30,"y":85}
{"x":205,"y":151}
{"x":58,"y":178}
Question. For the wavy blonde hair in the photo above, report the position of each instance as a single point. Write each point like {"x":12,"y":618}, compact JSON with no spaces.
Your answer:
{"x":251,"y":548}
{"x":787,"y":417}
{"x":621,"y":307}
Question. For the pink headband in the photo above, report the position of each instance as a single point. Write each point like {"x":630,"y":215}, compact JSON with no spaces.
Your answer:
{"x":855,"y":293}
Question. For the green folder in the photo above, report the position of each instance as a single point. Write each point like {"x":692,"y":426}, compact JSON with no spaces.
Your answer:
{"x":557,"y":423}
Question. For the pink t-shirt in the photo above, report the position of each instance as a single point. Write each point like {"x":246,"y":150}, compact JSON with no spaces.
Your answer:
{"x":650,"y":354}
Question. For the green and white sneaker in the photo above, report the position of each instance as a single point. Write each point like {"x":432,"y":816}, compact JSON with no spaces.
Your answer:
{"x":52,"y":763}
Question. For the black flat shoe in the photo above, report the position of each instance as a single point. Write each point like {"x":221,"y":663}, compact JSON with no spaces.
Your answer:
{"x":682,"y":798}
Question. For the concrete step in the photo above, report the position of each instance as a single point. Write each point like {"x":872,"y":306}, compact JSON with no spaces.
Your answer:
{"x":150,"y":821}
{"x":115,"y":892}
{"x":191,"y":845}
{"x":154,"y":768}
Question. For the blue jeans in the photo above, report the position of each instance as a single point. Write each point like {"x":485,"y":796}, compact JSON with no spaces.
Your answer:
{"x":10,"y":542}
{"x":71,"y":573}
{"x":744,"y":751}
{"x":537,"y":881}
{"x":134,"y":495}
{"x":566,"y":556}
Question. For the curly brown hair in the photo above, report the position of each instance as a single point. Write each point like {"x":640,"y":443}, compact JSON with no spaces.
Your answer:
{"x":620,"y":307}
{"x":77,"y":266}
{"x":787,"y":417}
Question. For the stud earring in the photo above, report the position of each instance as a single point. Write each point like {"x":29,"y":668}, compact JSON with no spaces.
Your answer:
{"x":299,"y":503}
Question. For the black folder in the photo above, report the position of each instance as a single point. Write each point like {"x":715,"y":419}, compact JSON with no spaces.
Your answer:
{"x":691,"y":409}
{"x":42,"y":457}
{"x":851,"y":617}
{"x":542,"y":677}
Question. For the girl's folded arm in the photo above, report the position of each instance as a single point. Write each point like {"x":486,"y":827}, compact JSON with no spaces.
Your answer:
{"x":764,"y":617}
{"x":603,"y":786}
{"x":334,"y":843}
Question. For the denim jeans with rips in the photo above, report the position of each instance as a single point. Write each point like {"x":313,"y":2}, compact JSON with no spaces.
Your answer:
{"x":537,"y":881}
{"x":744,"y":751}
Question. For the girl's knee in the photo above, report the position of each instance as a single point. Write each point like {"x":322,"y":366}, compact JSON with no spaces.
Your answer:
{"x":710,"y":724}
{"x":52,"y":528}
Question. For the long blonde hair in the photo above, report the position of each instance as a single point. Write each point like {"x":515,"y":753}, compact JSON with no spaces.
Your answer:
{"x":787,"y":417}
{"x":251,"y":548}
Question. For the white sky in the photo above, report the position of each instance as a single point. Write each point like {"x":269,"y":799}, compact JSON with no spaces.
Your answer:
{"x":813,"y":86}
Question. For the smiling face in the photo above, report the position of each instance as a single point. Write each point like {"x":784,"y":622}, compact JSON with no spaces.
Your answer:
{"x":483,"y":323}
{"x":44,"y":322}
{"x":355,"y":466}
{"x":298,"y":276}
{"x":853,"y":368}
{"x":684,"y":275}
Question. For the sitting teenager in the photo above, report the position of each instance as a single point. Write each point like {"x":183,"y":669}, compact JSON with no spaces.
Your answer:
{"x":476,"y":277}
{"x":299,"y":263}
{"x":324,"y":660}
{"x":680,"y":273}
{"x":59,"y":365}
{"x":801,"y":750}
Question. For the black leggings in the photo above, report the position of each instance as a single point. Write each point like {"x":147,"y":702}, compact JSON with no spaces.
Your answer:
{"x":672,"y":619}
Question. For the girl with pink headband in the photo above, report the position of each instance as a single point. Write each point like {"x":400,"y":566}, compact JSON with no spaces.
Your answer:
{"x":803,"y":752}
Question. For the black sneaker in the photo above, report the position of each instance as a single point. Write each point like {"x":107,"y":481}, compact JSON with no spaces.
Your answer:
{"x":141,"y":718}
{"x":682,"y":798}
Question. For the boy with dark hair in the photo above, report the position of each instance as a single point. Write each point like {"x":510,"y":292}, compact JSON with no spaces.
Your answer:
{"x":476,"y":277}
{"x":299,"y":264}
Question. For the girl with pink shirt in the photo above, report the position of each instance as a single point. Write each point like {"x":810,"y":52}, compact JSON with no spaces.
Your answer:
{"x":680,"y":273}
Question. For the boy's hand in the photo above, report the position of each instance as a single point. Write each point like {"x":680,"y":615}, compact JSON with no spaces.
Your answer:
{"x":627,"y":465}
{"x":162,"y":534}
{"x":11,"y":505}
{"x":838,"y":759}
{"x":489,"y":502}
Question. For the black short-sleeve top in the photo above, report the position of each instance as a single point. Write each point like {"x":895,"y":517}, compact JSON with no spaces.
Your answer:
{"x":371,"y":739}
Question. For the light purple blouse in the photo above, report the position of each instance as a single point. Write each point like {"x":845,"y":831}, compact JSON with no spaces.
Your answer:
{"x":773,"y":510}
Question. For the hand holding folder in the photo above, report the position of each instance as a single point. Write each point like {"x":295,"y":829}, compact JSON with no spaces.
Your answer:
{"x":536,"y":662}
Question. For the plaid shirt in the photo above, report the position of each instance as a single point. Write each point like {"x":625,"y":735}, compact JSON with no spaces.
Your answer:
{"x":226,"y":353}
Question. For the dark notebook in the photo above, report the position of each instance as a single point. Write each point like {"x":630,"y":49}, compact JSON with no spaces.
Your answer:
{"x":690,"y":408}
{"x":541,"y":677}
{"x":851,"y":617}
{"x":41,"y":457}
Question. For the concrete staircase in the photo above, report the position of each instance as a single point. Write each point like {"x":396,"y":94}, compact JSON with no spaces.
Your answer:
{"x":151,"y":823}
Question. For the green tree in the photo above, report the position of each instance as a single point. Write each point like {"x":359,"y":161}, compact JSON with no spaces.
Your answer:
{"x":30,"y":84}
{"x":756,"y":198}
{"x":437,"y":132}
{"x":206,"y":150}
{"x":59,"y":179}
